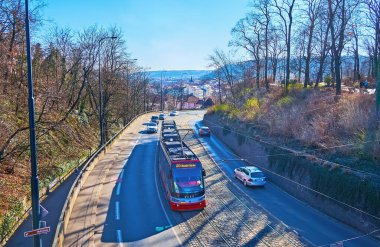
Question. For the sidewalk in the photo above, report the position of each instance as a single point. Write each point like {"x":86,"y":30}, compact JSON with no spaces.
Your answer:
{"x":53,"y":203}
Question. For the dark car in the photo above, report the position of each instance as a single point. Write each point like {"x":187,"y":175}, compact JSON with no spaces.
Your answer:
{"x":154,"y":119}
{"x":204,"y":131}
{"x":161,"y":116}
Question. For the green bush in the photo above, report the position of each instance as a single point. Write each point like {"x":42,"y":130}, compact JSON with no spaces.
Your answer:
{"x":222,"y":108}
{"x":10,"y":219}
{"x":252,"y":104}
{"x":286,"y":100}
{"x":328,"y":80}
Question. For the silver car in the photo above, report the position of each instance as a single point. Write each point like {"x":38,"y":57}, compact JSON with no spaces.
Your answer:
{"x":151,"y":127}
{"x":250,"y":175}
{"x":173,"y":113}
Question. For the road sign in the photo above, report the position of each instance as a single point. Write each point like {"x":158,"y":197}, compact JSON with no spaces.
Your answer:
{"x":37,"y":231}
{"x":44,"y":212}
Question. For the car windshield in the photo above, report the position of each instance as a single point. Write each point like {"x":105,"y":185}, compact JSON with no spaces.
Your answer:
{"x":204,"y":128}
{"x":187,"y":180}
{"x":152,"y":124}
{"x":257,"y":175}
{"x":154,"y":117}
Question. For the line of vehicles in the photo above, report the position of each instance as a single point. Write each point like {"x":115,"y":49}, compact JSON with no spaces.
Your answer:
{"x":181,"y":171}
{"x":152,"y":126}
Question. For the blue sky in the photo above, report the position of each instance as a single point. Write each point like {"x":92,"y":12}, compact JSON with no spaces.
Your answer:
{"x":161,"y":34}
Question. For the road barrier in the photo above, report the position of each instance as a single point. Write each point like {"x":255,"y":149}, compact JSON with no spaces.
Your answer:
{"x":44,"y":191}
{"x":78,"y":183}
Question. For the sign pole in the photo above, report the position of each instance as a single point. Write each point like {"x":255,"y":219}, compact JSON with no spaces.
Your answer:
{"x":32,"y":136}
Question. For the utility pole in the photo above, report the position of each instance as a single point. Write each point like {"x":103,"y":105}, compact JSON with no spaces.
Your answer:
{"x":36,"y":212}
{"x":377,"y":88}
{"x":101,"y":93}
{"x":161,"y":93}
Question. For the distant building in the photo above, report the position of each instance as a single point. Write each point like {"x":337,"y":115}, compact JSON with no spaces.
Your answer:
{"x":190,"y":102}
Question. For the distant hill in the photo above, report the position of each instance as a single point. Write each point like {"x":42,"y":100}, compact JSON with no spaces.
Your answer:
{"x":178,"y":74}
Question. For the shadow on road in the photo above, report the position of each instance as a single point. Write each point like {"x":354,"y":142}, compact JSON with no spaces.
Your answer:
{"x":135,"y":213}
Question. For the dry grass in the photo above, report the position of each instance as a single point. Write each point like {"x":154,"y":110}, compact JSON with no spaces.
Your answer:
{"x":316,"y":120}
{"x":66,"y":142}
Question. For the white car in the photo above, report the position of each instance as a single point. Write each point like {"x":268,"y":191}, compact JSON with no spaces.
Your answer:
{"x":151,"y":127}
{"x":173,"y":113}
{"x":250,"y":175}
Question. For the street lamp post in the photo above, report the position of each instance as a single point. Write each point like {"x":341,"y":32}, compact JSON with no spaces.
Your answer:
{"x":162,"y":106}
{"x":182,"y":88}
{"x":101,"y":93}
{"x":32,"y":135}
{"x":129,"y":60}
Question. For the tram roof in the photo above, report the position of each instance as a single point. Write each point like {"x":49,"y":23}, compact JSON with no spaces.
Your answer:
{"x":178,"y":151}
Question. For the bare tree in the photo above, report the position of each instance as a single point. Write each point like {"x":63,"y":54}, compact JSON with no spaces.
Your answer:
{"x":285,"y":10}
{"x":248,"y":35}
{"x":322,"y":38}
{"x":264,"y":8}
{"x":312,"y":12}
{"x":374,"y":18}
{"x":223,"y":62}
{"x":340,"y":12}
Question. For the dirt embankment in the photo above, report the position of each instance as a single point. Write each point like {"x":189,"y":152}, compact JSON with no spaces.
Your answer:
{"x":344,"y":194}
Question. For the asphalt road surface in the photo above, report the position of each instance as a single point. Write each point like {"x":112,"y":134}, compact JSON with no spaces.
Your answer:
{"x":121,"y":202}
{"x":313,"y":225}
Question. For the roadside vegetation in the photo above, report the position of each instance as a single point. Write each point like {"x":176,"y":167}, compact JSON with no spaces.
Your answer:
{"x":66,"y":68}
{"x":312,"y":121}
{"x":307,"y":82}
{"x":302,"y":79}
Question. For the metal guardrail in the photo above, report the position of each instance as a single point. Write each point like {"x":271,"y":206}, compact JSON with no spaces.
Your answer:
{"x":77,"y":185}
{"x":44,"y":192}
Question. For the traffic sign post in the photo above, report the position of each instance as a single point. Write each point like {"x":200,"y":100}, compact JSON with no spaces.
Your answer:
{"x":32,"y":137}
{"x":39,"y":231}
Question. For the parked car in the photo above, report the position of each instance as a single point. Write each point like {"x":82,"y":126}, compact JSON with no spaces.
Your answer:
{"x":151,"y":127}
{"x":173,"y":113}
{"x":250,"y":175}
{"x":204,"y":131}
{"x":161,"y":116}
{"x":154,"y":119}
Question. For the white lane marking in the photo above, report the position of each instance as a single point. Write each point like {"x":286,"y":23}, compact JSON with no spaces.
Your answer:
{"x":119,"y":237}
{"x":159,"y":197}
{"x":117,"y":210}
{"x":118,"y":189}
{"x":121,"y":173}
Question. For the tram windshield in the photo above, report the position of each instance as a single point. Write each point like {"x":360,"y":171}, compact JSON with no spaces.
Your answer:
{"x":187,"y":180}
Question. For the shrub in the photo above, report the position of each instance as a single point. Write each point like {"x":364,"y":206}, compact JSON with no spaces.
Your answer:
{"x":252,"y":104}
{"x":328,"y":80}
{"x":223,"y":108}
{"x":286,"y":100}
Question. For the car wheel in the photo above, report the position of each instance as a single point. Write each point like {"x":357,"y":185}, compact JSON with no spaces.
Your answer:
{"x":245,"y":183}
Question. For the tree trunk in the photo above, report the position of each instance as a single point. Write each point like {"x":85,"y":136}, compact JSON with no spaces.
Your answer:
{"x":220,"y":90}
{"x":308,"y":56}
{"x":258,"y":73}
{"x":274,"y":69}
{"x":266,"y":57}
{"x":356,"y":60}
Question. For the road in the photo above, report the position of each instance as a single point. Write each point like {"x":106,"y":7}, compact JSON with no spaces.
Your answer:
{"x":316,"y":227}
{"x":122,"y":203}
{"x":54,"y":204}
